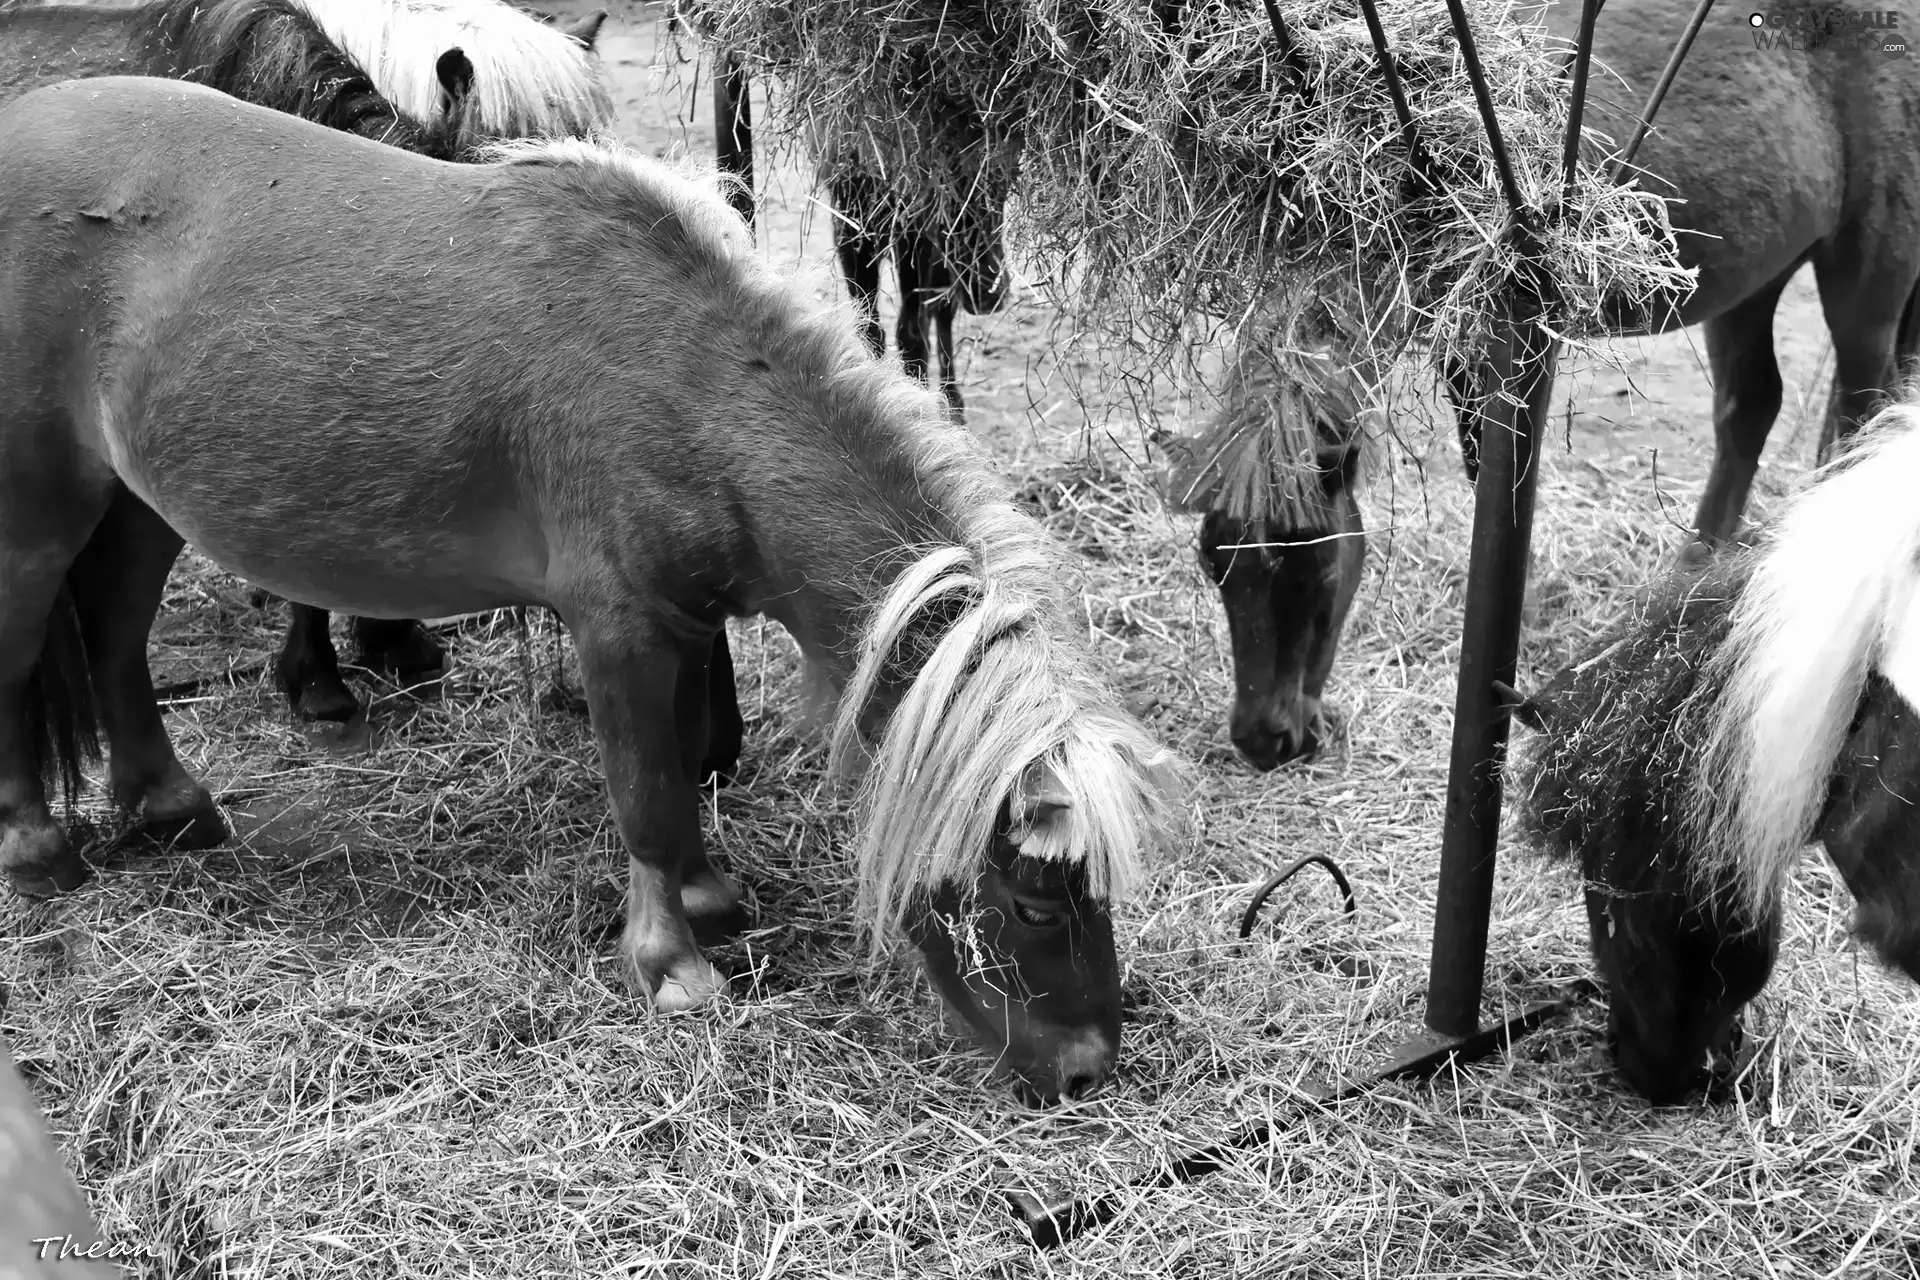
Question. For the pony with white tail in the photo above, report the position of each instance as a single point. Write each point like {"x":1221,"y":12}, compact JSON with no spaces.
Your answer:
{"x":1769,"y":703}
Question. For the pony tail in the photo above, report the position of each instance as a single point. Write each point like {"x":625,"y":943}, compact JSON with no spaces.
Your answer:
{"x":62,"y":722}
{"x":1811,"y":623}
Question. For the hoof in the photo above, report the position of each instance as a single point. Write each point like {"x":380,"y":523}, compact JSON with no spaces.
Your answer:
{"x":39,"y":861}
{"x":1694,"y":556}
{"x":49,"y":877}
{"x":202,"y":827}
{"x":410,"y":657}
{"x":690,"y":985}
{"x":326,"y":701}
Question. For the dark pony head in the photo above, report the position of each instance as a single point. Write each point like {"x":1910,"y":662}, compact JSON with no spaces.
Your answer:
{"x":1604,"y":786}
{"x":273,"y":54}
{"x":1743,"y":714}
{"x":1282,"y":537}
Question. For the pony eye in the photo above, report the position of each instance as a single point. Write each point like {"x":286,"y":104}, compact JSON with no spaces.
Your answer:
{"x":1036,"y":917}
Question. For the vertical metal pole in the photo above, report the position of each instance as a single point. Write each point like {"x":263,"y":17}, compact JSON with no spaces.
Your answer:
{"x":733,"y":129}
{"x":1523,"y":362}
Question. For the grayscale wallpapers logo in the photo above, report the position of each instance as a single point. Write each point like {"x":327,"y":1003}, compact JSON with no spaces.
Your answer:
{"x":1829,"y":28}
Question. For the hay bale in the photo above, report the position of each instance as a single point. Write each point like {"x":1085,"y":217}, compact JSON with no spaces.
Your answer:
{"x":1171,"y":168}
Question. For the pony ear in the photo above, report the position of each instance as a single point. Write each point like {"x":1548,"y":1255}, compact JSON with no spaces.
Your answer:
{"x":1526,"y":710}
{"x":454,"y":71}
{"x":584,"y":30}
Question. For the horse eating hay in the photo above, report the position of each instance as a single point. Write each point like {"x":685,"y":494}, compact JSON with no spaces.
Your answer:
{"x":1282,"y":538}
{"x":646,"y":447}
{"x":1748,"y":711}
{"x":309,"y":59}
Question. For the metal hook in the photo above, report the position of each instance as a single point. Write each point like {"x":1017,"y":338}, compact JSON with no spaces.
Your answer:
{"x":1280,"y":877}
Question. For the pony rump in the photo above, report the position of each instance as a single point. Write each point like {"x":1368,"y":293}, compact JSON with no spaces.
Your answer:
{"x":1289,"y":414}
{"x":994,"y":691}
{"x":1833,"y":583}
{"x":529,"y":79}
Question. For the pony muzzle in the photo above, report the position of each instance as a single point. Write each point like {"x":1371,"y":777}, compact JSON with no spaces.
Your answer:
{"x":1272,"y":731}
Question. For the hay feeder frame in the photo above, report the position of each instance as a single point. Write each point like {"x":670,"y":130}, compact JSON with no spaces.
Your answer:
{"x":1521,"y":363}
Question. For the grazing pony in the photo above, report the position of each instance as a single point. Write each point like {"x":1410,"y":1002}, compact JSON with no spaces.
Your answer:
{"x":942,"y":263}
{"x":647,"y":448}
{"x":1775,"y":159}
{"x":1274,"y":474}
{"x":446,"y":77}
{"x":46,"y":1229}
{"x":1769,"y":702}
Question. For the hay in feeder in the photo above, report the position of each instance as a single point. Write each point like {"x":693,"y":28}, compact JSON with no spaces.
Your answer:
{"x":1172,"y":167}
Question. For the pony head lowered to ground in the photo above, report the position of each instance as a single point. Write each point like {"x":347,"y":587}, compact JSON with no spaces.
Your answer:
{"x":1007,"y":797}
{"x":1274,"y":475}
{"x":1737,"y":716}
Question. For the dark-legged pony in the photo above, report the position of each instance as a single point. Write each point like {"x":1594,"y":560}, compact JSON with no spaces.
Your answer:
{"x":634,"y":424}
{"x":1274,"y":475}
{"x":1746,"y":711}
{"x":943,"y":265}
{"x":1776,"y":158}
{"x":532,"y":80}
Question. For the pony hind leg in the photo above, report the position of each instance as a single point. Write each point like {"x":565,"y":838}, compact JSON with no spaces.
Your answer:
{"x":632,"y":674}
{"x":941,"y":313}
{"x":308,"y":669}
{"x":398,"y":647}
{"x":1864,"y":294}
{"x":706,"y":892}
{"x":1746,"y":402}
{"x":118,"y":581}
{"x":47,"y":709}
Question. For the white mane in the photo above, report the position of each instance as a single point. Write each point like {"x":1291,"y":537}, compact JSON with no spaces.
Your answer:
{"x":529,"y":79}
{"x":1832,"y":597}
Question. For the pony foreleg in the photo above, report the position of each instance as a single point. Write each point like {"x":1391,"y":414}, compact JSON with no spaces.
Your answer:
{"x":859,"y":253}
{"x":117,"y":585}
{"x":910,"y":331}
{"x":705,"y":891}
{"x":309,"y":670}
{"x":632,"y":681}
{"x":1462,"y":382}
{"x":1746,"y":403}
{"x":942,"y":314}
{"x":1871,"y":328}
{"x":726,"y":730}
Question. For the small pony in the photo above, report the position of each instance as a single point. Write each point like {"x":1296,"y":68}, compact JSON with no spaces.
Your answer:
{"x":1275,"y":474}
{"x":446,"y":78}
{"x":942,"y":263}
{"x":1749,"y":710}
{"x":634,"y":424}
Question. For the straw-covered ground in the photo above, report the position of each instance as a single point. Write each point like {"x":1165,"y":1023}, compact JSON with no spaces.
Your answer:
{"x":384,"y":1035}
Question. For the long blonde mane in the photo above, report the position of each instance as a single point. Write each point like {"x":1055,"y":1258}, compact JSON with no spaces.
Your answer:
{"x":529,"y":79}
{"x":1290,"y":408}
{"x":1830,"y":599}
{"x":1002,"y":685}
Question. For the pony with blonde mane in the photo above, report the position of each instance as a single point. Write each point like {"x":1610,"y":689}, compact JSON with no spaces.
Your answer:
{"x":1275,"y":473}
{"x":1742,"y":714}
{"x":648,"y":448}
